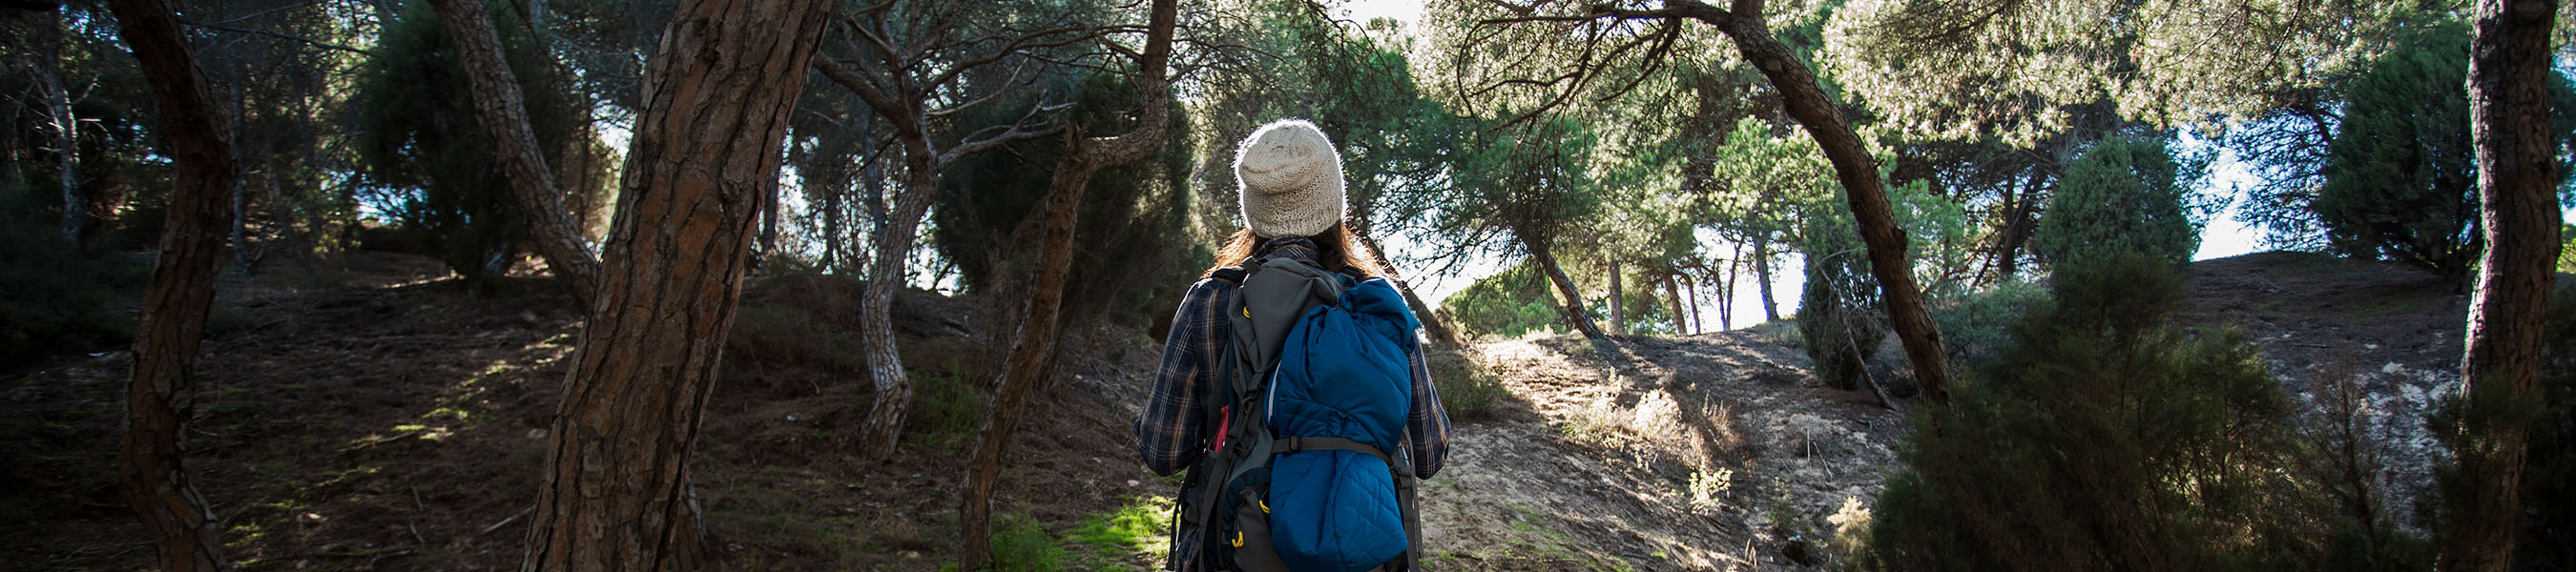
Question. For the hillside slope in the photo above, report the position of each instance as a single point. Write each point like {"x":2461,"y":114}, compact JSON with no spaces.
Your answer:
{"x":375,"y":417}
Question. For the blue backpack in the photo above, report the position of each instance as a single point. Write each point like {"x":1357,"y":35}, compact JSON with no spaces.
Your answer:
{"x":1306,"y":467}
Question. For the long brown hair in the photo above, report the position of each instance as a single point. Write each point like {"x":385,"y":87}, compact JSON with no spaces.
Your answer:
{"x":1335,"y":249}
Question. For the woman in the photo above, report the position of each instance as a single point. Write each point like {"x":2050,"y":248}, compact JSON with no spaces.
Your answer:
{"x":1291,"y":184}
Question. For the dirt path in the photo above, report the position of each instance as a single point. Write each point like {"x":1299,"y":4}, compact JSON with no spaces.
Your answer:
{"x":1710,"y":452}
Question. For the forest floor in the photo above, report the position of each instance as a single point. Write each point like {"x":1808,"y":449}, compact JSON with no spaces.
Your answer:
{"x":368,"y":414}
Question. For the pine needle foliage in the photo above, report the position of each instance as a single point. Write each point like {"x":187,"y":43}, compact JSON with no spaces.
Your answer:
{"x":2121,"y":196}
{"x":2105,"y":439}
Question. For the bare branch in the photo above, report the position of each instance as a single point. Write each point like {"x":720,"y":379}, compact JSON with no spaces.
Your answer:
{"x":282,"y":36}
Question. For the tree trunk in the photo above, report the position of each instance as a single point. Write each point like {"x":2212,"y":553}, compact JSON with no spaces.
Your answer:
{"x":1807,"y":102}
{"x":876,"y":318}
{"x":1691,"y":287}
{"x":503,"y":113}
{"x":616,"y":493}
{"x":769,"y":225}
{"x":58,"y":103}
{"x":2509,"y":73}
{"x":1681,"y":320}
{"x":1762,"y":274}
{"x":1572,"y":309}
{"x":1618,"y":314}
{"x":1031,"y":355}
{"x":832,"y":192}
{"x":161,"y":397}
{"x":1727,"y":290}
{"x":2021,"y":216}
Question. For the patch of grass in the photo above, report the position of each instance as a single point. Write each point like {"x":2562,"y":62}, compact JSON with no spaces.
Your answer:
{"x":1468,"y":392}
{"x":1021,"y":544}
{"x":947,"y":410}
{"x":1142,"y":527}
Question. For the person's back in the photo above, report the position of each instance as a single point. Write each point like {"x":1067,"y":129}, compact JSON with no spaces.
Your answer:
{"x":1292,"y":205}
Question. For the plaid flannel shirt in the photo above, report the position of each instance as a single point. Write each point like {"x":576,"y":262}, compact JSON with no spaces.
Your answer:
{"x":1170,"y":434}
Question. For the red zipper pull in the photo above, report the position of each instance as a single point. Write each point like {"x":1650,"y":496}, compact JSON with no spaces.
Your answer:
{"x":1225,"y":421}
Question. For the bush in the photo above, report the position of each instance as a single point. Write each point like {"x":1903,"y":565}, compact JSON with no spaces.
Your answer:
{"x":424,"y":159}
{"x":2549,"y":471}
{"x":53,"y":296}
{"x":1516,"y":301}
{"x":2400,"y":175}
{"x":1978,"y":327}
{"x":2105,"y":438}
{"x":1839,"y":319}
{"x":1467,"y":392}
{"x":946,"y":411}
{"x":2120,"y":196}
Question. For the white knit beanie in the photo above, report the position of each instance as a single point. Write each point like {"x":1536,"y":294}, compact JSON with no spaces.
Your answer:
{"x":1292,"y":180}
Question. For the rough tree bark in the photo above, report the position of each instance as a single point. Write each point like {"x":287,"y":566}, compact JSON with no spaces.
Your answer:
{"x":160,"y":398}
{"x":1742,"y":22}
{"x":1681,"y":321}
{"x":1691,"y":287}
{"x":1571,"y":299}
{"x":2509,"y":67}
{"x":1031,"y":354}
{"x":501,"y":109}
{"x":725,"y":79}
{"x":1618,"y":313}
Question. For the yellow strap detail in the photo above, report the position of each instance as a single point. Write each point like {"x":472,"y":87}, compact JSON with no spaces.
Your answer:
{"x":1238,"y":539}
{"x":1265,"y":506}
{"x":1247,"y":311}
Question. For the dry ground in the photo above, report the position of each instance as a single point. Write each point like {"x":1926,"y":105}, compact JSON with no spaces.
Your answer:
{"x":367,"y":415}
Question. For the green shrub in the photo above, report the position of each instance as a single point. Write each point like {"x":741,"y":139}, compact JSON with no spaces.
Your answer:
{"x":947,"y":411}
{"x":1510,"y":303}
{"x":1977,"y":327}
{"x":424,"y":160}
{"x":2120,"y":196}
{"x":1021,"y":543}
{"x":2105,"y":438}
{"x":1467,"y":392}
{"x":1839,"y":320}
{"x":2549,"y":471}
{"x":53,"y":296}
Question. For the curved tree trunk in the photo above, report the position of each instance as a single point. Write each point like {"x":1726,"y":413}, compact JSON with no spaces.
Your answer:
{"x":2509,"y":67}
{"x":160,"y":398}
{"x":616,"y":493}
{"x":1807,"y":102}
{"x":1571,"y":306}
{"x":894,"y":243}
{"x":502,"y":111}
{"x":1032,"y":355}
